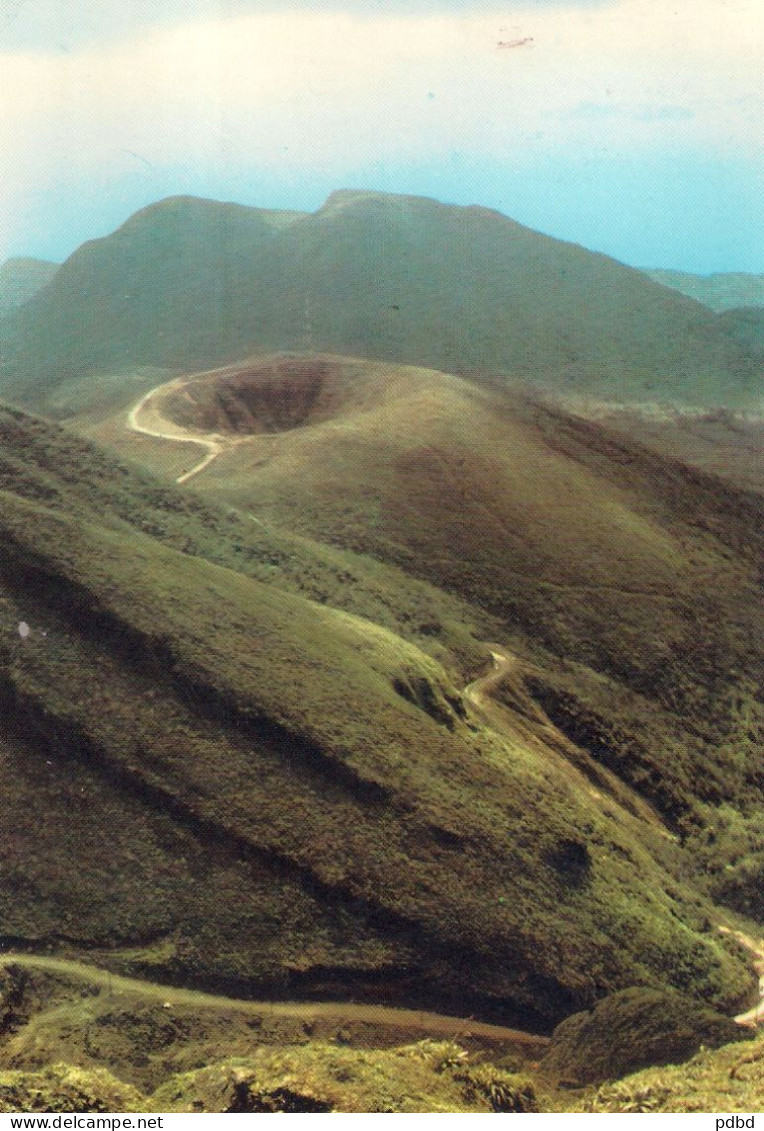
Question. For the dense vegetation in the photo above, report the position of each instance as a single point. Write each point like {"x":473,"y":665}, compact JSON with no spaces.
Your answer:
{"x":421,"y":690}
{"x":235,"y":826}
{"x":728,"y":1079}
{"x":188,"y":283}
{"x":87,"y":1043}
{"x":629,"y":581}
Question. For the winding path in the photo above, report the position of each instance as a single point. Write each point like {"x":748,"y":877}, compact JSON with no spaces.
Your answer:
{"x":530,"y":722}
{"x":146,"y":418}
{"x":478,"y":694}
{"x":420,"y":1021}
{"x":503,"y":665}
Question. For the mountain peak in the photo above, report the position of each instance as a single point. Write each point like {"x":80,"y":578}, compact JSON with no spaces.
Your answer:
{"x":193,"y":283}
{"x":186,"y":208}
{"x":341,"y":199}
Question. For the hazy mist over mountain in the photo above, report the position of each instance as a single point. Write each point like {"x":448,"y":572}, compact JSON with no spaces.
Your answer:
{"x":719,"y":292}
{"x":189,"y":283}
{"x":21,"y":279}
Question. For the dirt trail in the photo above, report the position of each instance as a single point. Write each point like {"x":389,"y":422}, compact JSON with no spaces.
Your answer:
{"x":754,"y":1016}
{"x":530,"y":724}
{"x":477,"y":692}
{"x":478,"y":695}
{"x":420,"y":1021}
{"x":146,"y":418}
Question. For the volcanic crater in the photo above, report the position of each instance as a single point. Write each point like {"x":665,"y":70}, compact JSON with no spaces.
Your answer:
{"x":263,"y":396}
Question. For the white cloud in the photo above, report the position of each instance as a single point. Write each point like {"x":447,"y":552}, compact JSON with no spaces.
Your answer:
{"x":314,"y":89}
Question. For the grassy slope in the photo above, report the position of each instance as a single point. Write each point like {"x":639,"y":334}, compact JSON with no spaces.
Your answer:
{"x":166,"y":276}
{"x":728,"y":1079}
{"x":211,"y":734}
{"x":468,"y":289}
{"x":637,"y":573}
{"x":110,"y":1049}
{"x":187,"y":283}
{"x":629,"y":577}
{"x":426,"y":1077}
{"x":603,"y":553}
{"x":21,"y":279}
{"x":745,"y":325}
{"x":719,"y":292}
{"x":723,"y":443}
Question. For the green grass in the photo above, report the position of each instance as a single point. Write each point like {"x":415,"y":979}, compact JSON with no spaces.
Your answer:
{"x":318,"y":1078}
{"x":261,"y":808}
{"x":632,"y":578}
{"x":633,"y":1029}
{"x":729,"y":1079}
{"x":74,"y":1046}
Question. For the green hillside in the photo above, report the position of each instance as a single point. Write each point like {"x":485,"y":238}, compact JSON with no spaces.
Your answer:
{"x":81,"y":1039}
{"x":21,"y":279}
{"x":132,"y":299}
{"x":187,"y":283}
{"x":191,"y":708}
{"x":746,"y":327}
{"x":719,"y":291}
{"x":630,"y":578}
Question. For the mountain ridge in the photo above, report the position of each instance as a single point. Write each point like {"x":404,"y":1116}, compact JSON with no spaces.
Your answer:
{"x":21,"y":277}
{"x":720,"y":291}
{"x":420,"y":685}
{"x":188,"y":283}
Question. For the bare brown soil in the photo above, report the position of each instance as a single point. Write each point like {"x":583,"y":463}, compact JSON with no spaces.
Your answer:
{"x":270,"y":396}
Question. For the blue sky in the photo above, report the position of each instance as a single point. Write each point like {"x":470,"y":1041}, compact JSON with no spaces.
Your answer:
{"x":630,"y":126}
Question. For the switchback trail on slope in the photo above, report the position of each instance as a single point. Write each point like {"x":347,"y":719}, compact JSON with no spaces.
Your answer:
{"x":529,"y":723}
{"x":478,"y":694}
{"x":477,"y":691}
{"x":146,"y":418}
{"x":420,"y":1021}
